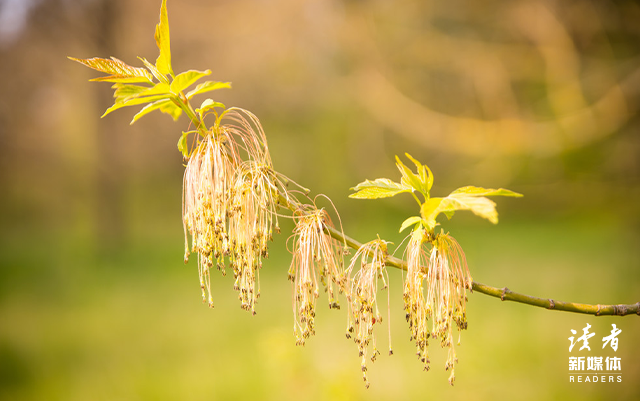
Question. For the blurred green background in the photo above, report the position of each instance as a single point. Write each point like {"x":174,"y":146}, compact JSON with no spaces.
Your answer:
{"x":541,"y":97}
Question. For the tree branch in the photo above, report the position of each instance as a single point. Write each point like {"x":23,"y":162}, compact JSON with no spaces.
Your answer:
{"x":506,"y":294}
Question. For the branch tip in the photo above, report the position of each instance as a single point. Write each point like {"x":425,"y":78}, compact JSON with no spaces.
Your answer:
{"x":615,"y":310}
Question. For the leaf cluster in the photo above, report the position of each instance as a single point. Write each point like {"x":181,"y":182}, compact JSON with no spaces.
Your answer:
{"x":156,"y":86}
{"x":465,"y":198}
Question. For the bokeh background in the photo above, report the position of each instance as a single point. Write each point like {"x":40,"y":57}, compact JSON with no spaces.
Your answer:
{"x":541,"y":97}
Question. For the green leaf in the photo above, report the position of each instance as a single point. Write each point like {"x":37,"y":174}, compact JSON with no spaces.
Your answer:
{"x":429,"y":211}
{"x":479,"y":191}
{"x":124,"y":95}
{"x":133,"y":102}
{"x":449,"y":214}
{"x":465,"y":198}
{"x":154,"y":70}
{"x":158,"y":89}
{"x":119,"y":70}
{"x":408,"y":177}
{"x":120,"y":79}
{"x":148,"y":109}
{"x":426,"y":176}
{"x":207,"y":87}
{"x":182,"y":144}
{"x":164,"y":105}
{"x":207,"y":105}
{"x":186,"y":79}
{"x":379,"y":188}
{"x":171,"y":109}
{"x":163,"y":62}
{"x":410,"y":221}
{"x":125,"y":91}
{"x":422,"y":181}
{"x":480,"y":206}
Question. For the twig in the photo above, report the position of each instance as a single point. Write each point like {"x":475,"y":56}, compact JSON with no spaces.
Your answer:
{"x":506,"y":294}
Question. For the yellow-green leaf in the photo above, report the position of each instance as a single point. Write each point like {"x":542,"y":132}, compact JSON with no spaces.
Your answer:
{"x":163,"y":62}
{"x":207,"y":105}
{"x":171,"y":109}
{"x":429,"y":211}
{"x":207,"y":87}
{"x":480,"y":206}
{"x":133,"y":102}
{"x":185,"y":79}
{"x":379,"y":188}
{"x":449,"y":214}
{"x":155,"y":71}
{"x":124,"y":91}
{"x":408,"y":178}
{"x":479,"y":191}
{"x":119,"y":70}
{"x":426,"y":176}
{"x":410,"y":221}
{"x":157,"y":105}
{"x":422,"y":181}
{"x":120,"y":79}
{"x":158,"y":89}
{"x":182,"y":144}
{"x":466,"y":198}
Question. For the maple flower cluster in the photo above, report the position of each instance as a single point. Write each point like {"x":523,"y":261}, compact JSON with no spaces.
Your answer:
{"x":439,"y":260}
{"x":229,"y":204}
{"x":317,"y":258}
{"x":364,"y":312}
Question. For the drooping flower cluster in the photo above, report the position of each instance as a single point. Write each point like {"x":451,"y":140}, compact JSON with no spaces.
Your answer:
{"x":448,"y":279}
{"x":444,"y":267}
{"x":415,"y":304}
{"x":316,"y":259}
{"x":362,"y":298}
{"x":229,"y":204}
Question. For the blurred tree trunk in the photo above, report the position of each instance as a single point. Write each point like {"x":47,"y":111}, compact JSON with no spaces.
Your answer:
{"x":109,"y":204}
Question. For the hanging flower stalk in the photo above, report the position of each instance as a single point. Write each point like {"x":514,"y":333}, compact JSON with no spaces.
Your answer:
{"x":444,"y":268}
{"x":415,"y":304}
{"x":316,"y":259}
{"x":251,"y":226}
{"x":230,"y":202}
{"x":205,"y":206}
{"x":362,"y":300}
{"x":449,"y":278}
{"x":437,"y":273}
